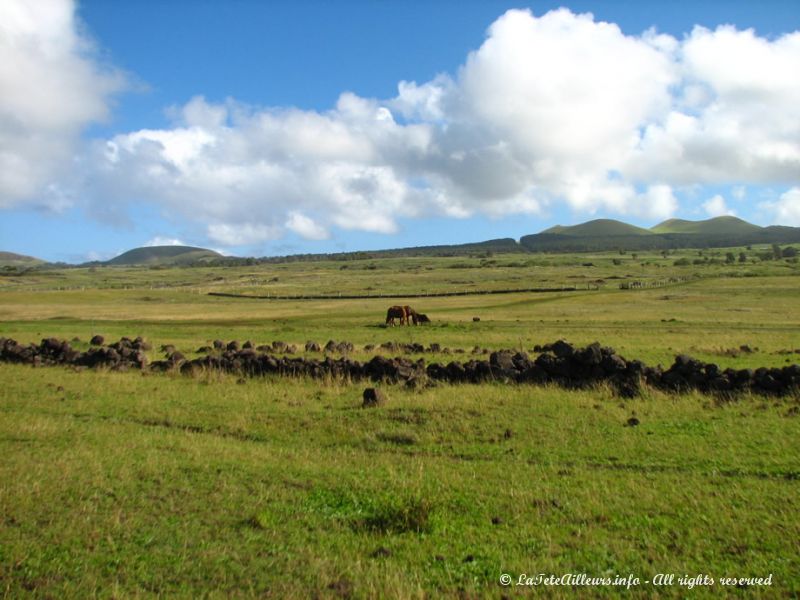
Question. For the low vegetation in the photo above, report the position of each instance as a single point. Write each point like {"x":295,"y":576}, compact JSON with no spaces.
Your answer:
{"x":193,"y":482}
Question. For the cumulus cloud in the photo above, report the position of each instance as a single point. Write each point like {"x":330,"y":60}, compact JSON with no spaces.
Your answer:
{"x":786,"y":209}
{"x":566,"y":96}
{"x":736,"y":116}
{"x":716,"y":207}
{"x":50,"y":89}
{"x":305,"y":227}
{"x":551,"y":109}
{"x":519,"y":128}
{"x":658,"y":202}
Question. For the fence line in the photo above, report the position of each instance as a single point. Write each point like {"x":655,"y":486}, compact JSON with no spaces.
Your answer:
{"x":654,"y":283}
{"x":410,"y":295}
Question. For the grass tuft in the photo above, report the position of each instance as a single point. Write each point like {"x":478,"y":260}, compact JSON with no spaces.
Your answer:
{"x":399,"y":439}
{"x":384,"y":511}
{"x":260,"y":520}
{"x":399,"y":515}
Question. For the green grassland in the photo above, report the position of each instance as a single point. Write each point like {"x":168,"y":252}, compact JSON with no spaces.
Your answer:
{"x":140,"y":485}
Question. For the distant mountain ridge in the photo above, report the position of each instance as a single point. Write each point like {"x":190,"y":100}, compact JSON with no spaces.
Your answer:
{"x":608,"y":234}
{"x":592,"y":236}
{"x":164,"y":255}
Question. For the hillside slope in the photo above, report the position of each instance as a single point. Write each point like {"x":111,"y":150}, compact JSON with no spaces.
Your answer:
{"x":606,"y":234}
{"x":12,"y":259}
{"x":717,"y":226}
{"x":164,"y":255}
{"x":598,"y":228}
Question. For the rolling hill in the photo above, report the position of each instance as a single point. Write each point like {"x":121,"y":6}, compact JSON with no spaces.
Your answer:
{"x":715,"y":226}
{"x":606,"y":234}
{"x":596,"y":235}
{"x":598,"y":228}
{"x":164,"y":255}
{"x":11,"y":259}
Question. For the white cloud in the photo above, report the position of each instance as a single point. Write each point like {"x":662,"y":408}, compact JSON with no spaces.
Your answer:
{"x":249,"y":175}
{"x":50,"y":89}
{"x":164,"y":241}
{"x":306,"y":227}
{"x":739,"y":117}
{"x":716,"y":207}
{"x":423,"y":102}
{"x":786,"y":209}
{"x":241,"y":235}
{"x":550,"y":109}
{"x":658,"y":202}
{"x":564,"y":88}
{"x":520,"y":127}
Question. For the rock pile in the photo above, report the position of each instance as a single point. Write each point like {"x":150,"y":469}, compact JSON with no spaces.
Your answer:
{"x":559,"y":363}
{"x":121,"y":355}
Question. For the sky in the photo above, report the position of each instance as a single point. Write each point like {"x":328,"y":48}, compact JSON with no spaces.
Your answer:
{"x":273,"y":128}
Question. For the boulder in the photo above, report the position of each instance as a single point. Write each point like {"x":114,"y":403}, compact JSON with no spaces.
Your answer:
{"x":590,"y":355}
{"x":373,"y":397}
{"x":562,"y":349}
{"x":502,"y":360}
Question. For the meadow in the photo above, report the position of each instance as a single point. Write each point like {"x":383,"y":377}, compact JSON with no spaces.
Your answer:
{"x":137,"y":484}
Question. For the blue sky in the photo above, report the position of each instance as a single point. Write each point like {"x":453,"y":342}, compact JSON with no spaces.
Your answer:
{"x":262,"y":128}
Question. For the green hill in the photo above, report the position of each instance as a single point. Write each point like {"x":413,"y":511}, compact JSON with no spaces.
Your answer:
{"x":598,"y":228}
{"x":592,"y":236}
{"x":607,"y":234}
{"x":11,"y":259}
{"x":164,"y":255}
{"x":715,"y":226}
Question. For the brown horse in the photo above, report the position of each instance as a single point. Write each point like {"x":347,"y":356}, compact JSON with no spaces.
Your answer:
{"x":396,"y":312}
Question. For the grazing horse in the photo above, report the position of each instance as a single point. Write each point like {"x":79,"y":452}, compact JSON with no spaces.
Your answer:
{"x":420,"y":318}
{"x":411,"y":315}
{"x":396,"y":312}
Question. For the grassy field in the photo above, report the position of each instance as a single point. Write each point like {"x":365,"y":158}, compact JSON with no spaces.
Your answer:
{"x":131,"y":484}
